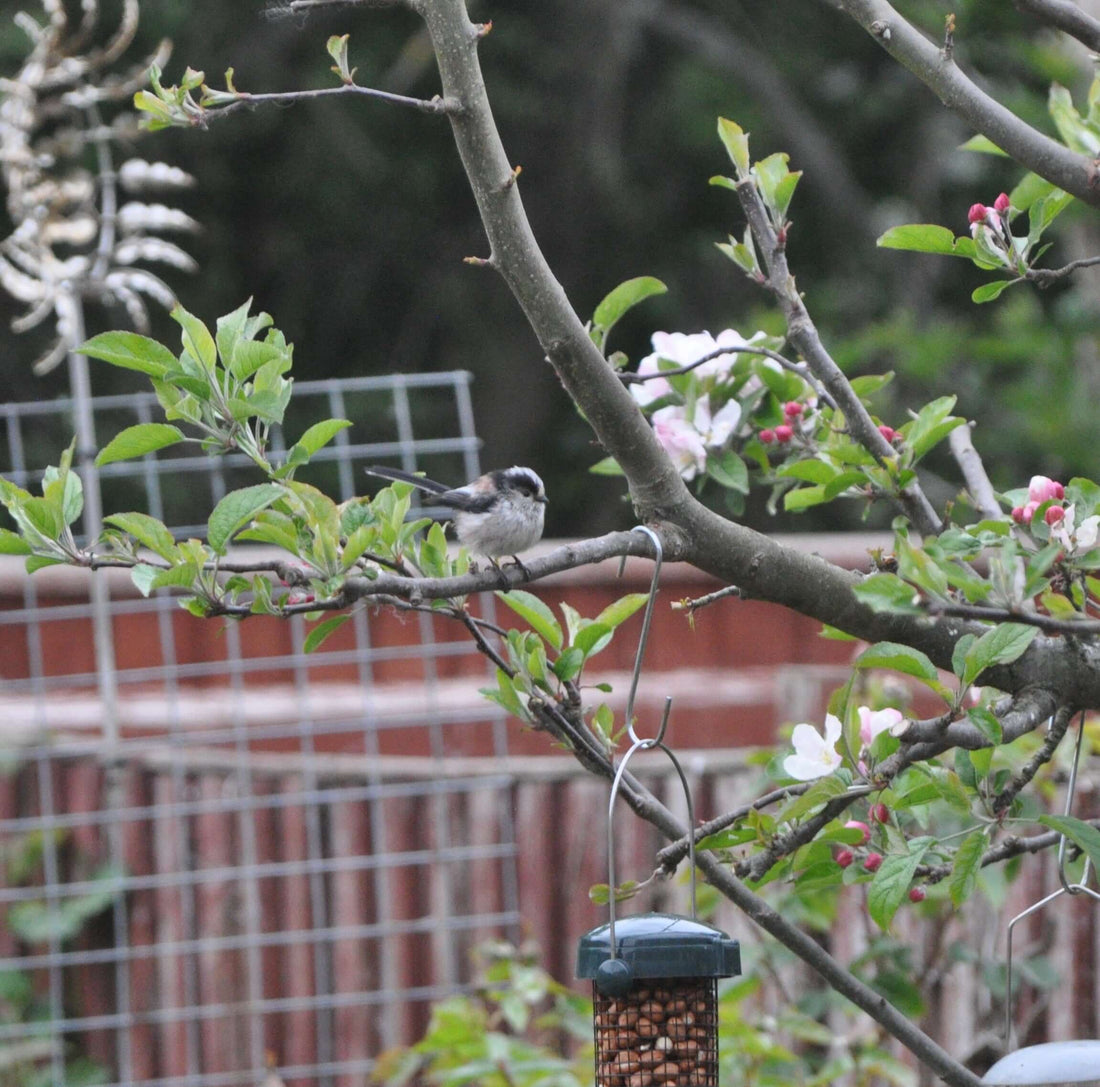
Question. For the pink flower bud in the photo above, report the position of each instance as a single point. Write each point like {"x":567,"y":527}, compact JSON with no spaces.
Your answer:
{"x":784,"y":433}
{"x":977,"y":214}
{"x":1018,"y":515}
{"x":916,"y":894}
{"x":1053,"y":515}
{"x":855,"y":824}
{"x":1002,"y":204}
{"x":1044,"y":489}
{"x":872,"y":862}
{"x":880,"y":813}
{"x":792,"y":409}
{"x":844,"y":857}
{"x":767,"y":435}
{"x":888,"y":432}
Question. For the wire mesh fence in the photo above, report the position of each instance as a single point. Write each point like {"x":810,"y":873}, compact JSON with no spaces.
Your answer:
{"x":221,"y":854}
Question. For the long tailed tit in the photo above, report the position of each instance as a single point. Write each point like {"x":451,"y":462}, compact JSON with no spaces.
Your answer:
{"x":499,"y":513}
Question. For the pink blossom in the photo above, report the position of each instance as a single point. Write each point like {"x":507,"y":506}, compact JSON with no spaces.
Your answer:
{"x":978,"y":214}
{"x":814,"y":755}
{"x":873,"y":722}
{"x":1044,"y":489}
{"x":680,"y":439}
{"x":856,"y":824}
{"x":767,"y":435}
{"x":1053,"y":515}
{"x":784,"y":433}
{"x":1002,"y":204}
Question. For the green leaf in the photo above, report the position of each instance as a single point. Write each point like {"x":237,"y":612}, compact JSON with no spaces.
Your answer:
{"x":900,"y":658}
{"x":820,"y":793}
{"x":729,"y":470}
{"x":892,"y":882}
{"x":623,"y":298}
{"x":921,"y":238}
{"x":320,"y":434}
{"x":505,"y":696}
{"x":537,"y":614}
{"x":887,"y":592}
{"x":591,"y":638}
{"x":982,"y":144}
{"x":609,"y":466}
{"x":736,"y":142}
{"x":986,"y":722}
{"x":147,"y":530}
{"x":967,"y":865}
{"x":618,"y":611}
{"x":1078,"y":832}
{"x":197,"y":340}
{"x":1001,"y":645}
{"x":933,"y":423}
{"x":987,"y":292}
{"x":322,"y":630}
{"x":11,"y":543}
{"x":136,"y":441}
{"x":131,"y":352}
{"x":236,"y":509}
{"x":569,"y":664}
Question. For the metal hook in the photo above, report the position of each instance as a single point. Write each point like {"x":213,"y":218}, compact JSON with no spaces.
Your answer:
{"x":644,"y":745}
{"x":1066,"y":886}
{"x":643,"y":638}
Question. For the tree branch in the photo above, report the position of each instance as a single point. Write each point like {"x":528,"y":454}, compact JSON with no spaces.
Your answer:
{"x":1065,"y":16}
{"x":803,"y":335}
{"x":932,"y":65}
{"x":973,"y":471}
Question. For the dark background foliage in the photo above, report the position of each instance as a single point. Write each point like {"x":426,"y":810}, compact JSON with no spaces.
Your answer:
{"x":347,"y":220}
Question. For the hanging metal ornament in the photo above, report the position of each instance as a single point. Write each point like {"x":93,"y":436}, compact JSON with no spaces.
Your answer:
{"x":1050,"y":1064}
{"x":654,"y":977}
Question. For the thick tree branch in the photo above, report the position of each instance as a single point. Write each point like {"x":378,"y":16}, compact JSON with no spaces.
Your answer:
{"x":935,"y":67}
{"x":1065,"y":16}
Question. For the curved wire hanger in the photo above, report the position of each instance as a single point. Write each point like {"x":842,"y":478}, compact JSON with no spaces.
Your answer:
{"x":1067,"y":886}
{"x":642,"y":743}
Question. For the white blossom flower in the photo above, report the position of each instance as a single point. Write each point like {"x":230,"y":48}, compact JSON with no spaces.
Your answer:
{"x":1074,"y":537}
{"x":814,"y":755}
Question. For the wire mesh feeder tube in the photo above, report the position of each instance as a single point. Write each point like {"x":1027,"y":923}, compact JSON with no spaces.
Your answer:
{"x":655,"y":1012}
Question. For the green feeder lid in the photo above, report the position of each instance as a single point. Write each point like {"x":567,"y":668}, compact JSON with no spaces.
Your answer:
{"x":661,"y":945}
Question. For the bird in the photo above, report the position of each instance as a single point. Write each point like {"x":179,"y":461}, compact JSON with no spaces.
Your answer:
{"x":499,"y":513}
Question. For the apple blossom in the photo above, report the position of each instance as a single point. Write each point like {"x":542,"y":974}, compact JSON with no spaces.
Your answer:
{"x":792,"y":409}
{"x":1002,"y":204}
{"x":1072,"y":536}
{"x":855,"y":824}
{"x":1053,"y":515}
{"x":1044,"y":489}
{"x":978,"y":214}
{"x":880,"y":813}
{"x":873,"y":722}
{"x":916,"y":894}
{"x":784,"y":433}
{"x":872,"y":862}
{"x":844,"y":857}
{"x":680,"y":439}
{"x":814,"y":755}
{"x":767,"y":435}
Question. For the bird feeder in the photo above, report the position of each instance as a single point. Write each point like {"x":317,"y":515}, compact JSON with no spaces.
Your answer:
{"x":655,"y":977}
{"x":655,"y":999}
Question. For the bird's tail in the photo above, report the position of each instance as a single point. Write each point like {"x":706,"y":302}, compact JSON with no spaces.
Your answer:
{"x":397,"y":475}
